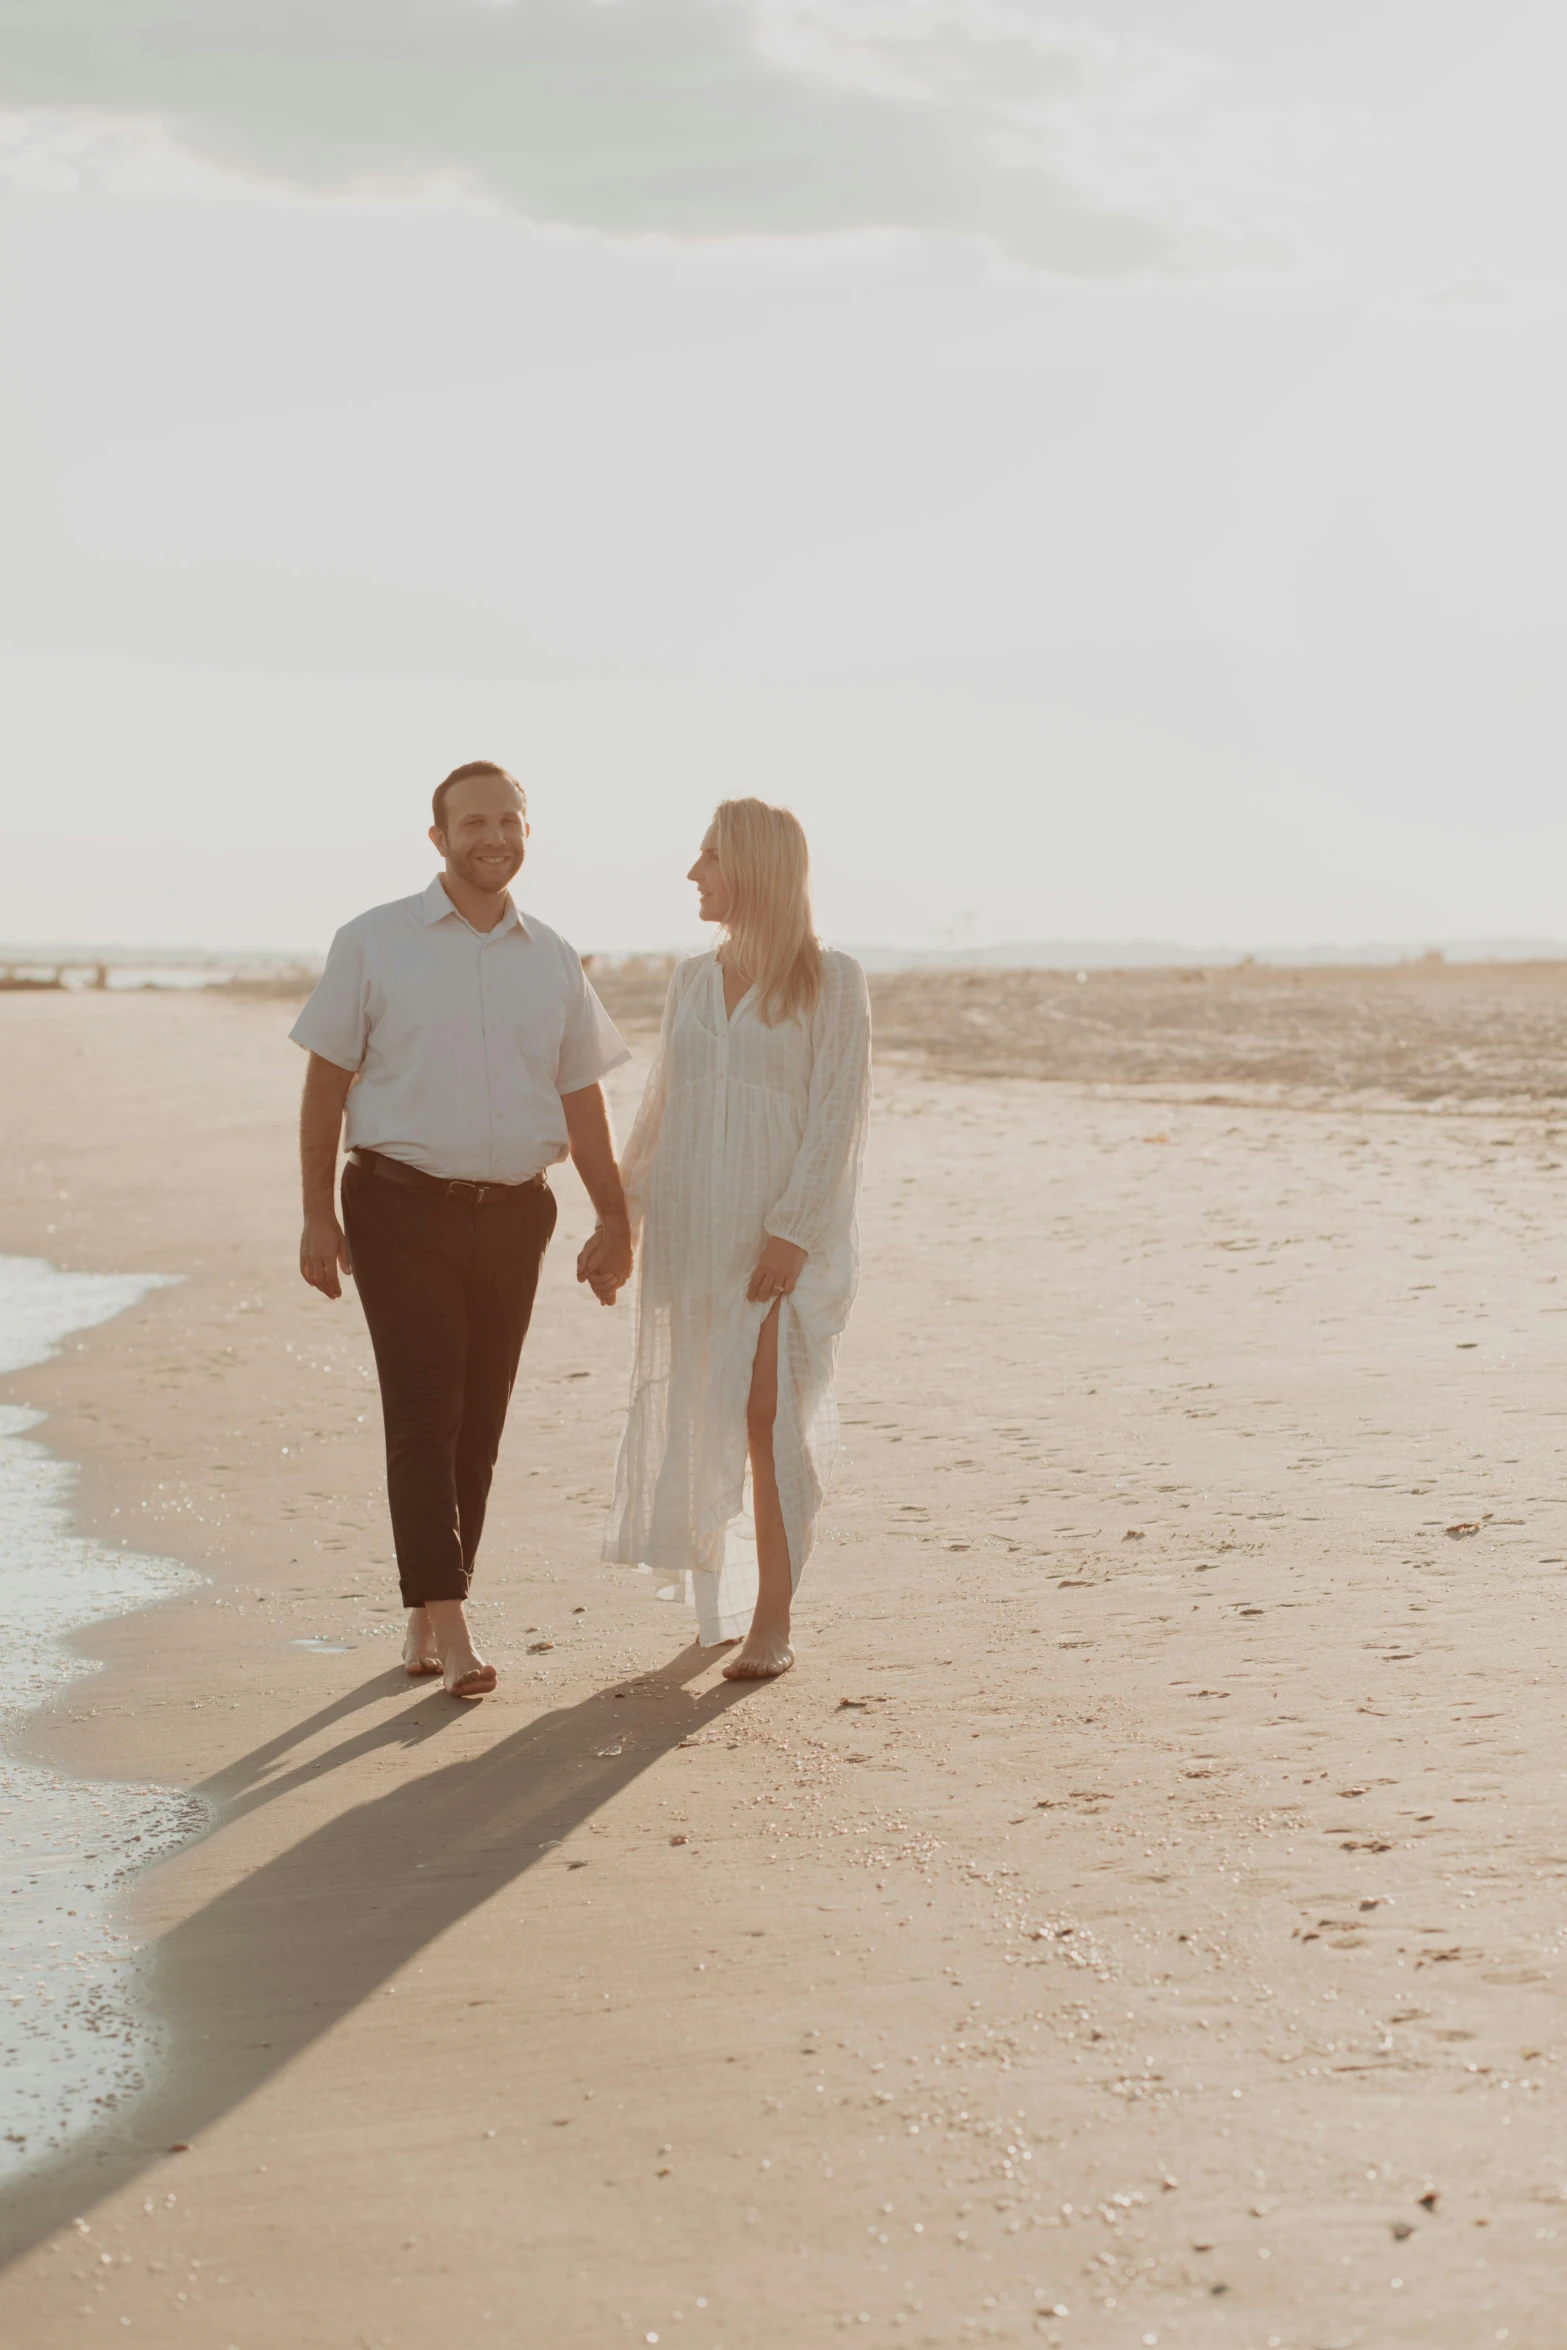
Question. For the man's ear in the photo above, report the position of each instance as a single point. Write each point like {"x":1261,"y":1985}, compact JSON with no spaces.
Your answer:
{"x":439,"y":838}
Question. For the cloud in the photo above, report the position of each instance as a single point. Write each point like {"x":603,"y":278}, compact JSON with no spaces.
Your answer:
{"x":689,"y":119}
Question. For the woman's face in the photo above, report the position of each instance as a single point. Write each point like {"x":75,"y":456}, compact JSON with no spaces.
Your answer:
{"x":712,"y":891}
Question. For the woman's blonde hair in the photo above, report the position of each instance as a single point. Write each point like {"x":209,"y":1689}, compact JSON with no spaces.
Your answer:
{"x":769,"y":935}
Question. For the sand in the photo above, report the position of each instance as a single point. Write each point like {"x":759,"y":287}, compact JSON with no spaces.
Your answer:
{"x":1197,"y":1567}
{"x":1425,"y":1031}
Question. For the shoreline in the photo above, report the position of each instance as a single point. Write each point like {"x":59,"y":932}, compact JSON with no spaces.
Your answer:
{"x":76,"y":2039}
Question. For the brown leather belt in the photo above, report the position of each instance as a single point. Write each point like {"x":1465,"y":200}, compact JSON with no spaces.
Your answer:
{"x":438,"y":1186}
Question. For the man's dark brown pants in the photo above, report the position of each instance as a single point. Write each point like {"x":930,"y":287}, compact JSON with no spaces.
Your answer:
{"x":447,"y":1282}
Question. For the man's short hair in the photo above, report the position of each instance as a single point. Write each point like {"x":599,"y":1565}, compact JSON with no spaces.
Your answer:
{"x":462,"y":775}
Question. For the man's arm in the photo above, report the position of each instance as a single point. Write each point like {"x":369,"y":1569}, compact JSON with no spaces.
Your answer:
{"x":323,"y":1251}
{"x":605,"y":1263}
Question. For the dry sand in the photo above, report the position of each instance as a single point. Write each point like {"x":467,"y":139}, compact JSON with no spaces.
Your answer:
{"x":1197,"y":1567}
{"x":1424,"y":1032}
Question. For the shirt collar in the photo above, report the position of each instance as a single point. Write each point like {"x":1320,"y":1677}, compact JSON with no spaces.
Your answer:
{"x":435,"y":905}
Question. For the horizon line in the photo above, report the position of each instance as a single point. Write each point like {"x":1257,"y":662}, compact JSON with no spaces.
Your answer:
{"x":886,"y":955}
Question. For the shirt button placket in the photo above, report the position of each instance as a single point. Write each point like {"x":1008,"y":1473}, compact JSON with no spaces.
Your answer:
{"x":491,"y":1072}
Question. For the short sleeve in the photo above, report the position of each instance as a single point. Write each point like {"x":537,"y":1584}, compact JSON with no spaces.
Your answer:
{"x":590,"y":1045}
{"x":335,"y":1022}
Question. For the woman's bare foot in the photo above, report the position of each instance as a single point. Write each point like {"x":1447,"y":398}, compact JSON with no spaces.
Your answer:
{"x":466,"y":1673}
{"x":419,"y":1652}
{"x":764,"y":1656}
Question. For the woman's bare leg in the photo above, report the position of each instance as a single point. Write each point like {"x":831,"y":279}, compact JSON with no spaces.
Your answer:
{"x":766,"y":1651}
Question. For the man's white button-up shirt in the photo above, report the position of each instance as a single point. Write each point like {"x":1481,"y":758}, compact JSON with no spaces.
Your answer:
{"x":462,"y":1041}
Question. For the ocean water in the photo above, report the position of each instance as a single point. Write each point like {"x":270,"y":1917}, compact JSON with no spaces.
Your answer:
{"x":74,"y":2037}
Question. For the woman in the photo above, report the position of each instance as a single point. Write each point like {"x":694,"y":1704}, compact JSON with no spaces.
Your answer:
{"x":743,"y":1169}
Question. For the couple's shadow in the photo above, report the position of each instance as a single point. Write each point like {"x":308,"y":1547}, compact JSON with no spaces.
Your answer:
{"x":251,"y":1978}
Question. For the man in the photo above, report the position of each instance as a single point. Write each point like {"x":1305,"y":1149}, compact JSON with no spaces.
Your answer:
{"x":468,"y":1049}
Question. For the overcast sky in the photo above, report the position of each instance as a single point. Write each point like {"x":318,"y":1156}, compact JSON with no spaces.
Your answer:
{"x":1105,"y":471}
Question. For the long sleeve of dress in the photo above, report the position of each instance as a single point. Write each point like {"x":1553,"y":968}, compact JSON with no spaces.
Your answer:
{"x":636,"y":1160}
{"x":818,"y":1202}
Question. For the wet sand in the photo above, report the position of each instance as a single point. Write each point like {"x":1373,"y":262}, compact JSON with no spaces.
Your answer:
{"x":1197,"y":1567}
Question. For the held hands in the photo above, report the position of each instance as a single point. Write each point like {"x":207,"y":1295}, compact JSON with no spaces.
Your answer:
{"x":604,"y":1262}
{"x":778,"y":1268}
{"x":323,"y":1253}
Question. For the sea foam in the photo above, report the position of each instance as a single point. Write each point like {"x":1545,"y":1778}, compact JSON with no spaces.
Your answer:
{"x":75,"y":2039}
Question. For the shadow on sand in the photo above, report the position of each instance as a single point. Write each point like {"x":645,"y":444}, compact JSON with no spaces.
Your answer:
{"x":253,"y":1977}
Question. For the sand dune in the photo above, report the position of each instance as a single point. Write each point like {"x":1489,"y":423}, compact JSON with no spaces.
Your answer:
{"x":1197,"y":1572}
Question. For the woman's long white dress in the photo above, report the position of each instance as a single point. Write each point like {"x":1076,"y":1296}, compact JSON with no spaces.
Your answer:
{"x":744,"y":1130}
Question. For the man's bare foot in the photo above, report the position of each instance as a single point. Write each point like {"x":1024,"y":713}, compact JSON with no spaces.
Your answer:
{"x":476,"y":1681}
{"x":765,"y":1655}
{"x":419,"y":1651}
{"x":465,"y":1671}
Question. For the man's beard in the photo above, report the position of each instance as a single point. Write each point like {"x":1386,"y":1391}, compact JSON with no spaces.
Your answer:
{"x":484,"y":876}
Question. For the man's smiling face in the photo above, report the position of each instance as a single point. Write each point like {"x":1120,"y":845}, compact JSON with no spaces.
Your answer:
{"x":486,"y":833}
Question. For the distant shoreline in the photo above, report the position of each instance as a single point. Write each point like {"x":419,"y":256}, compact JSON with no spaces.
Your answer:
{"x":73,"y":964}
